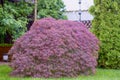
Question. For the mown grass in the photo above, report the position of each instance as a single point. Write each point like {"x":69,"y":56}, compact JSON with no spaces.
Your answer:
{"x":102,"y":74}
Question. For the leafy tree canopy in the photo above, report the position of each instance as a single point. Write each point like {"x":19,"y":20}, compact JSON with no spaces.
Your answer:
{"x":14,"y":15}
{"x":13,"y":19}
{"x":51,"y":8}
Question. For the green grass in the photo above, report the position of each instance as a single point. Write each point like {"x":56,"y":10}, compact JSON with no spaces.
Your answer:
{"x":101,"y":74}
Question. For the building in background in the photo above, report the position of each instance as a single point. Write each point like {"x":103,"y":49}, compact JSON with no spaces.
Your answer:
{"x":85,"y":5}
{"x":72,"y":9}
{"x":77,"y":10}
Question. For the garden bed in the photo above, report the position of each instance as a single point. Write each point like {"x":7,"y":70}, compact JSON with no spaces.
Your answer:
{"x":4,"y":50}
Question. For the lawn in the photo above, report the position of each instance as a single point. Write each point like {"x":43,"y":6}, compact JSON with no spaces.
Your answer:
{"x":102,"y":74}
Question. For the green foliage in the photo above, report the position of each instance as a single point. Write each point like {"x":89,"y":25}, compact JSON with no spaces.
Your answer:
{"x":51,"y":8}
{"x":13,"y":19}
{"x":106,"y":26}
{"x":13,"y":16}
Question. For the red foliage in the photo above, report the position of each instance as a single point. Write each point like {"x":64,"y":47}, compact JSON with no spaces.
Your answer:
{"x":55,"y":48}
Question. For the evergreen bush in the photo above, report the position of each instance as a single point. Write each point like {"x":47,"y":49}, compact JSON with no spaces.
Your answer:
{"x":106,"y":26}
{"x":55,"y":48}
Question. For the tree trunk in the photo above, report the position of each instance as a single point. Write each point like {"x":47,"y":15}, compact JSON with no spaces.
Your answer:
{"x":35,"y":13}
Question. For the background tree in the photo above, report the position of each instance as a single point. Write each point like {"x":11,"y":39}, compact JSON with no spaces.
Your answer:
{"x":106,"y":26}
{"x":17,"y":14}
{"x":13,"y":19}
{"x":51,"y":8}
{"x":47,"y":8}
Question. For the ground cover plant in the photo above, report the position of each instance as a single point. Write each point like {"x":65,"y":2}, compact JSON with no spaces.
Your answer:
{"x":55,"y":48}
{"x":101,"y":74}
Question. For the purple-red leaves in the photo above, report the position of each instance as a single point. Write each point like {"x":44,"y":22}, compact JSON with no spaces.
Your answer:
{"x":55,"y":48}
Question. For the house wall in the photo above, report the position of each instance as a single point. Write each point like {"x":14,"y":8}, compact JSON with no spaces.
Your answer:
{"x":71,"y":5}
{"x":85,"y":15}
{"x":73,"y":8}
{"x":85,"y":4}
{"x":73,"y":15}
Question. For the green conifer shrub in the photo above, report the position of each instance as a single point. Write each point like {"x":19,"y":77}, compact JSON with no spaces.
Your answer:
{"x":106,"y":26}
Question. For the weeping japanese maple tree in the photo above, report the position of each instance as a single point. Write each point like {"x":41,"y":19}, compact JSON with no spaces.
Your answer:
{"x":55,"y":48}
